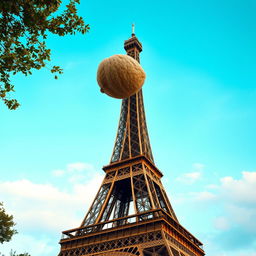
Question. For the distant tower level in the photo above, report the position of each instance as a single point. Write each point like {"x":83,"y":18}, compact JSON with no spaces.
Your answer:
{"x":131,"y":213}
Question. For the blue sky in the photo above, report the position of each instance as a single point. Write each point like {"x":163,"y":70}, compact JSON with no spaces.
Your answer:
{"x":200,"y":90}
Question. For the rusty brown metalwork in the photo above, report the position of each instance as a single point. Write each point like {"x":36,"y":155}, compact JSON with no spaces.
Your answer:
{"x":132,"y":135}
{"x":131,"y":213}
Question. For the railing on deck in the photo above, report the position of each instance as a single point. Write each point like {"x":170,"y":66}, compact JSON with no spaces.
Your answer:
{"x":129,"y":220}
{"x":145,"y":216}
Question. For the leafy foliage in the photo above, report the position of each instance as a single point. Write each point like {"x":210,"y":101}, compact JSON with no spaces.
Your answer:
{"x":24,"y":28}
{"x":13,"y":253}
{"x":7,"y":231}
{"x":6,"y":225}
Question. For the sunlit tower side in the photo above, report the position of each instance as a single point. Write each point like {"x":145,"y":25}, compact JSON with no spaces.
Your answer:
{"x":131,"y":213}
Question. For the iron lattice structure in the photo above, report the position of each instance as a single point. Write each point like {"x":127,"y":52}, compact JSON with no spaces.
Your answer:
{"x":131,"y":213}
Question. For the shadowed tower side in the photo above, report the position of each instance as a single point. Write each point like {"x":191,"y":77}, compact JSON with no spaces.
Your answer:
{"x":131,"y":213}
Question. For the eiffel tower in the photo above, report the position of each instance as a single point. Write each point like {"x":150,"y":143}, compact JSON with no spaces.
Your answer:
{"x":131,"y":213}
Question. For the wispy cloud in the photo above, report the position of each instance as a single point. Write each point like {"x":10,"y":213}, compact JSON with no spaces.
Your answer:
{"x":189,"y":178}
{"x":54,"y":207}
{"x":79,"y":167}
{"x":240,"y":190}
{"x":77,"y":172}
{"x":45,"y":206}
{"x":58,"y":173}
{"x":204,"y":196}
{"x":46,"y":209}
{"x":221,"y":223}
{"x":231,"y":207}
{"x":193,"y":176}
{"x":32,"y":245}
{"x":198,"y":166}
{"x":240,"y":200}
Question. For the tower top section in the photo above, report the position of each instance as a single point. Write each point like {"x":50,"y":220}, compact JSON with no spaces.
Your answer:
{"x":133,"y":42}
{"x":133,"y":46}
{"x":132,"y":135}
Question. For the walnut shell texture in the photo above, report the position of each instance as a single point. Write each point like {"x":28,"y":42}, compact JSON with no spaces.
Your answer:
{"x":120,"y":76}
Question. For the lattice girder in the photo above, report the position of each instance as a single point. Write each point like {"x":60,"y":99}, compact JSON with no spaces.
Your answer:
{"x":156,"y":251}
{"x":132,"y":135}
{"x":134,"y":186}
{"x":97,"y":205}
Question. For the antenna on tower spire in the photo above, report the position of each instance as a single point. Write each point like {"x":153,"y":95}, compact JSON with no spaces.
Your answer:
{"x":133,"y":29}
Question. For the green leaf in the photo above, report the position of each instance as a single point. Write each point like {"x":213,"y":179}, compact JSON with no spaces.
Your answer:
{"x":24,"y":27}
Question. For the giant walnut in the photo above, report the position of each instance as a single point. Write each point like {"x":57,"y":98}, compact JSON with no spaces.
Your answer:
{"x":120,"y":76}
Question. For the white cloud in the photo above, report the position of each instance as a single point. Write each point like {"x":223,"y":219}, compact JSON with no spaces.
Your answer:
{"x":79,"y":166}
{"x":242,"y":190}
{"x":42,"y":211}
{"x":248,"y":254}
{"x":238,"y":199}
{"x":231,"y":192}
{"x":212,"y":186}
{"x":243,"y":216}
{"x":237,"y":226}
{"x":230,"y":210}
{"x":77,"y":172}
{"x":198,"y":166}
{"x":58,"y":173}
{"x":192,"y":177}
{"x":204,"y":196}
{"x":189,"y":178}
{"x":34,"y":246}
{"x":46,"y":207}
{"x":198,"y":199}
{"x":224,"y":213}
{"x":221,"y":223}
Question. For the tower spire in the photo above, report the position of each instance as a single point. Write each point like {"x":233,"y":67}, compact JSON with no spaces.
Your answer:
{"x":132,"y":135}
{"x":133,"y":29}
